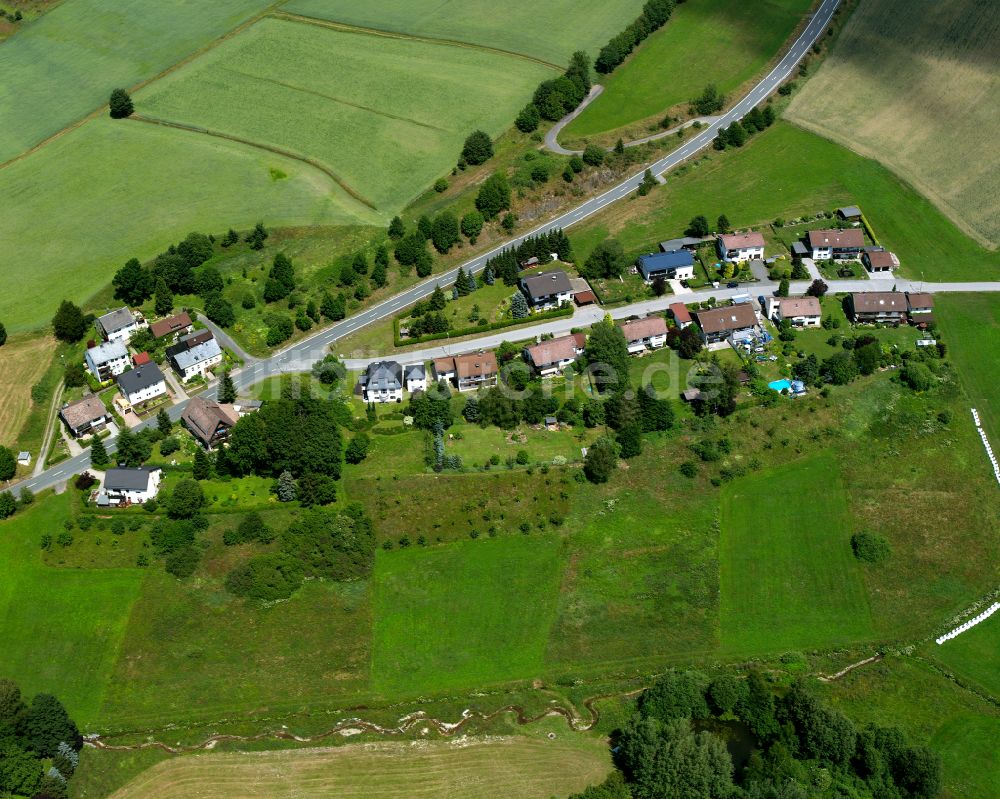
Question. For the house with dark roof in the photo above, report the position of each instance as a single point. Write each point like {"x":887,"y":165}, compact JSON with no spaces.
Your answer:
{"x":415,"y":377}
{"x":683,"y":243}
{"x":676,"y":265}
{"x":835,"y":245}
{"x":645,"y":334}
{"x":680,"y":313}
{"x":172,"y":326}
{"x":142,"y":384}
{"x":737,"y":322}
{"x":850,"y":212}
{"x":920,"y":307}
{"x":550,"y":357}
{"x":878,"y":307}
{"x":119,"y":325}
{"x":382,"y":382}
{"x":876,"y":259}
{"x":85,"y":416}
{"x":209,"y":421}
{"x":547,"y":289}
{"x":188,"y":342}
{"x":129,"y":486}
{"x":737,"y":247}
{"x":106,"y":360}
{"x":197,"y":360}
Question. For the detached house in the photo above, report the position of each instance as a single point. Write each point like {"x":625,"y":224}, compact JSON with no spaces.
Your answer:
{"x":416,"y":377}
{"x":736,"y":247}
{"x":382,"y":382}
{"x":718,"y":324}
{"x":800,"y":311}
{"x":142,"y":384}
{"x":129,"y":486}
{"x":547,"y":289}
{"x":468,"y":372}
{"x":172,"y":325}
{"x":836,"y":245}
{"x":682,"y":316}
{"x":675,"y":265}
{"x":642,"y":334}
{"x":550,"y":357}
{"x":879,"y":260}
{"x":197,"y":360}
{"x":879,"y":307}
{"x":920,"y":306}
{"x":209,"y":421}
{"x":87,"y":415}
{"x":118,"y":325}
{"x":107,"y":360}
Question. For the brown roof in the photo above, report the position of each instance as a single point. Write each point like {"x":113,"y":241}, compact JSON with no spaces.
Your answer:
{"x":443,"y":366}
{"x":585,"y":297}
{"x":80,"y":413}
{"x":848,"y":237}
{"x":680,"y":312}
{"x":718,"y":320}
{"x":203,"y":417}
{"x":799,"y":306}
{"x":140,"y":358}
{"x":920,"y":300}
{"x":581,"y":340}
{"x":881,"y":259}
{"x":478,"y":364}
{"x":740,"y":241}
{"x":553,"y":351}
{"x":170,"y":325}
{"x":645,"y":328}
{"x":879,"y":301}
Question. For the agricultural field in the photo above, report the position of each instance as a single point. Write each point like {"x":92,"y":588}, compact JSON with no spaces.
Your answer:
{"x":920,"y":93}
{"x":477,"y":768}
{"x":550,"y":32}
{"x":788,"y":578}
{"x":764,"y":181}
{"x":385,"y":115}
{"x":725,"y":42}
{"x":23,"y":361}
{"x":974,"y":655}
{"x":62,"y":67}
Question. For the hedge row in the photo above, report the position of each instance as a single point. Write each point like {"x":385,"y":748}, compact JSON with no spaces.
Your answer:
{"x":555,"y":313}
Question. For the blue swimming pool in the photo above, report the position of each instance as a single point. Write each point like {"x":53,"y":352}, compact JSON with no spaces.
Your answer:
{"x":780,"y":385}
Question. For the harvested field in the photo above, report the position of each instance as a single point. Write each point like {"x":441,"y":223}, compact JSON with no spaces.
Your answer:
{"x":22,"y":362}
{"x":919,"y":90}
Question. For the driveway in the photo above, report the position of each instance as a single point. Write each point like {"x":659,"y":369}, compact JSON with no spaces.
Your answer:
{"x":813,"y":270}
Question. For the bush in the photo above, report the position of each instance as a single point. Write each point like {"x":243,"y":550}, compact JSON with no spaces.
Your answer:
{"x":182,"y":562}
{"x":593,"y":155}
{"x":689,"y":469}
{"x":169,"y":446}
{"x":266,"y":577}
{"x":870,"y":547}
{"x":522,"y":456}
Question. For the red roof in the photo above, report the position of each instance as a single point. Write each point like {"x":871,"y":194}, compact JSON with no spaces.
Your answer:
{"x":141,"y":359}
{"x":585,"y":297}
{"x":680,"y":312}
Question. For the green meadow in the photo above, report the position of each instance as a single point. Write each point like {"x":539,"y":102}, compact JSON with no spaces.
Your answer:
{"x":974,"y":655}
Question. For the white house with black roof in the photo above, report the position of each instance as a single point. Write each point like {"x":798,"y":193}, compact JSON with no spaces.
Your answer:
{"x":547,"y":289}
{"x":415,"y":375}
{"x":382,"y":382}
{"x":107,"y":360}
{"x":129,"y":486}
{"x":142,"y":384}
{"x":119,"y":325}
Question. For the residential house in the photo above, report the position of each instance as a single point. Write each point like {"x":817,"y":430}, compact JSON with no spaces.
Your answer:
{"x":209,"y":421}
{"x":642,"y":334}
{"x":188,"y":342}
{"x":129,"y":486}
{"x":547,"y":289}
{"x":736,"y":247}
{"x":920,"y":306}
{"x":415,"y":376}
{"x":550,"y":357}
{"x":800,"y":311}
{"x":172,"y":326}
{"x":382,"y":382}
{"x":885,"y":307}
{"x":197,"y":360}
{"x":876,"y":259}
{"x":142,"y":384}
{"x":87,"y":415}
{"x":119,"y":325}
{"x":476,"y":370}
{"x":107,"y":360}
{"x":676,"y":265}
{"x":719,"y":324}
{"x":444,"y":369}
{"x":682,"y":316}
{"x":835,"y":245}
{"x":683,"y":243}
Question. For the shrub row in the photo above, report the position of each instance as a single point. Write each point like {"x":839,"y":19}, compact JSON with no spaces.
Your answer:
{"x":654,"y":16}
{"x":555,"y":313}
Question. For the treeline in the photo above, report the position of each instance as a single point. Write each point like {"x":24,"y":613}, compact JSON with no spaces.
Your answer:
{"x":506,"y":265}
{"x":39,"y":745}
{"x":555,"y":98}
{"x":653,"y":17}
{"x":668,"y":749}
{"x":738,"y":132}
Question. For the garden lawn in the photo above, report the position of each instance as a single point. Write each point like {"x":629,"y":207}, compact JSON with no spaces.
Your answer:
{"x":764,"y":181}
{"x":788,"y":577}
{"x":549,"y":31}
{"x":60,"y":630}
{"x":725,"y":42}
{"x":64,"y":65}
{"x":387,"y":115}
{"x":464,"y":615}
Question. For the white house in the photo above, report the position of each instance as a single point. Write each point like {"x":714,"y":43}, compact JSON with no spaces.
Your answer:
{"x":675,"y":265}
{"x":547,"y":289}
{"x":142,"y":384}
{"x":197,"y":360}
{"x":648,"y":333}
{"x":550,"y":357}
{"x":119,"y":325}
{"x":382,"y":382}
{"x":416,"y":377}
{"x":129,"y":486}
{"x":107,"y":360}
{"x":835,"y":245}
{"x":800,"y":311}
{"x":737,"y":247}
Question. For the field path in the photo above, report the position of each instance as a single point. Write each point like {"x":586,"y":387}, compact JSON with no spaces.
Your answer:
{"x":47,"y":439}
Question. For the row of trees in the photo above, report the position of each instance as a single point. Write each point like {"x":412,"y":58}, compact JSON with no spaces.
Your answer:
{"x":507,"y":264}
{"x":738,"y":132}
{"x":555,"y":98}
{"x":654,"y":16}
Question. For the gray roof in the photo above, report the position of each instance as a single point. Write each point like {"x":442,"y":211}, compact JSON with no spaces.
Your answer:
{"x":415,"y":371}
{"x":798,"y":248}
{"x":678,"y":244}
{"x":543,"y":284}
{"x":202,"y":352}
{"x":108,"y":351}
{"x":384,"y":376}
{"x":127,"y":479}
{"x":849,"y":211}
{"x":140,"y":378}
{"x":116,"y":320}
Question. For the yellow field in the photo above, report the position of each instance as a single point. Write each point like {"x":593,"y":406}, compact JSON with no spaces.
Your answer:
{"x":515,"y":768}
{"x":23,"y":360}
{"x":916,"y":86}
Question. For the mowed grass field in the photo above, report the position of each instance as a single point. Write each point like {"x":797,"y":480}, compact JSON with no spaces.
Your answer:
{"x":549,"y":31}
{"x":466,"y":614}
{"x":387,"y":115}
{"x":975,"y":655}
{"x":80,"y":207}
{"x":23,"y":360}
{"x":786,"y":172}
{"x":921,"y":93}
{"x":514,"y":767}
{"x":724,"y":42}
{"x":787,"y":576}
{"x":64,"y":65}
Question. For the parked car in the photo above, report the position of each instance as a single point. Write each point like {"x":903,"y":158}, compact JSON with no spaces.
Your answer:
{"x":732,"y":284}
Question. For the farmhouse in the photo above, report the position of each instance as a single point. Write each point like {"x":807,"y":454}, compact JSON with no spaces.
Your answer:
{"x":642,"y":334}
{"x":142,"y":384}
{"x":172,"y":325}
{"x":876,"y":259}
{"x":873,"y":307}
{"x":718,"y":324}
{"x":87,"y":415}
{"x":382,"y":382}
{"x":551,"y":357}
{"x":920,"y":306}
{"x":682,"y":316}
{"x":107,"y":360}
{"x":129,"y":486}
{"x":735,"y":247}
{"x":676,"y":265}
{"x":835,"y":245}
{"x":416,"y":377}
{"x":547,"y":289}
{"x":800,"y":311}
{"x":209,"y":421}
{"x":118,"y":325}
{"x":197,"y":360}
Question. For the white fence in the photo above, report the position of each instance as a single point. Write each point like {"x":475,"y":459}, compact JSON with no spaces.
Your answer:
{"x":970,"y":623}
{"x":986,"y":443}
